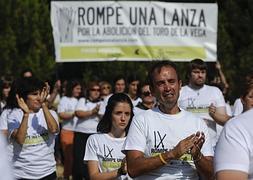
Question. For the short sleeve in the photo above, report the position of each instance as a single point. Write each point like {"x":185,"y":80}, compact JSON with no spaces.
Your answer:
{"x":62,"y":105}
{"x":220,"y":101}
{"x":81,"y":105}
{"x":91,"y":149}
{"x":13,"y":121}
{"x":54,"y":114}
{"x":136,"y":137}
{"x":231,"y":151}
{"x":238,"y":107}
{"x":3,"y":120}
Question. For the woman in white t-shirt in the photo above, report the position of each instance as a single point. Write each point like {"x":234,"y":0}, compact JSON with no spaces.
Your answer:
{"x":66,"y":111}
{"x":103,"y":150}
{"x":32,"y":129}
{"x":88,"y":118}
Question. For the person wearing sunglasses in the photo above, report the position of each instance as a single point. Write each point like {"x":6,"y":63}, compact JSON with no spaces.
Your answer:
{"x":105,"y":89}
{"x":148,"y":100}
{"x":88,"y":118}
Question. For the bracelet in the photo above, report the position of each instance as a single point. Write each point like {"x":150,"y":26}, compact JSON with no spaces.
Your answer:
{"x":199,"y":158}
{"x":161,"y":159}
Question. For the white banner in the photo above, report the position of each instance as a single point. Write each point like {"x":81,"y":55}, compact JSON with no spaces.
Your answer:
{"x":133,"y":31}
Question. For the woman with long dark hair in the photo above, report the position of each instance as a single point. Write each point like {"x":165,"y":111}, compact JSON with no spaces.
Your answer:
{"x":103,"y":150}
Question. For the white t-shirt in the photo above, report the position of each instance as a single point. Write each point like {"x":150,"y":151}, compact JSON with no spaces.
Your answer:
{"x":68,"y":105}
{"x":4,"y":126}
{"x":198,"y":101}
{"x":234,"y":150}
{"x":219,"y":127}
{"x":3,"y":119}
{"x":5,"y":167}
{"x":35,"y":158}
{"x":238,"y":107}
{"x":138,"y":110}
{"x":136,"y":101}
{"x":106,"y":150}
{"x":103,"y":105}
{"x":87,"y":125}
{"x":154,"y":132}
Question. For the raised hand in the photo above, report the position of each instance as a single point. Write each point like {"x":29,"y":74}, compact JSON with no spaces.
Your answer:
{"x":95,"y":109}
{"x":211,"y":109}
{"x":22,"y":104}
{"x":184,"y":146}
{"x":44,"y":93}
{"x":196,"y":149}
{"x":218,"y":65}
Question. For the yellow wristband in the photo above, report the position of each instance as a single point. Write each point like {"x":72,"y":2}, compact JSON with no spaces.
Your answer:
{"x":162,"y":160}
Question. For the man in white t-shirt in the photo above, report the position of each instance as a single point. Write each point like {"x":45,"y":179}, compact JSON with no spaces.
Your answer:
{"x":132,"y":87}
{"x":199,"y":98}
{"x":167,"y":142}
{"x":234,"y":151}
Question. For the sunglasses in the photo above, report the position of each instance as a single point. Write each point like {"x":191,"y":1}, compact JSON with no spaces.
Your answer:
{"x":93,"y":89}
{"x":146,"y":93}
{"x":106,"y":87}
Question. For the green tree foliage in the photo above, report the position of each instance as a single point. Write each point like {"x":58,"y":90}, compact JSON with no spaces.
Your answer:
{"x":235,"y":41}
{"x":26,"y":38}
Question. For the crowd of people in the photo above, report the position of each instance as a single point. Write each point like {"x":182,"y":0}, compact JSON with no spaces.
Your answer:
{"x":157,"y":129}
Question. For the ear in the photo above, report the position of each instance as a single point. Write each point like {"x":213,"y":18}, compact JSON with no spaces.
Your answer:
{"x":180,"y":84}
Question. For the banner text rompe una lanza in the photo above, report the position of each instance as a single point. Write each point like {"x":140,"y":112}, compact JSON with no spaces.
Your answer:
{"x":141,"y":16}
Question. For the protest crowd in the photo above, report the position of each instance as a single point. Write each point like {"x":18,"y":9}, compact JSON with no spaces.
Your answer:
{"x":162,"y":128}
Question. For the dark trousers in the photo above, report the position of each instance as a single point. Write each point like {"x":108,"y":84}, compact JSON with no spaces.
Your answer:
{"x":80,"y":169}
{"x":48,"y":177}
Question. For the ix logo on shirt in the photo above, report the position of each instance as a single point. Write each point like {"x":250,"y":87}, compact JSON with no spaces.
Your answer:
{"x":158,"y":143}
{"x":107,"y":151}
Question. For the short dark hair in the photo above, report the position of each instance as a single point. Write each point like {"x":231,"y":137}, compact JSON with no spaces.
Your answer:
{"x":131,"y":78}
{"x":28,"y":85}
{"x":196,"y":64}
{"x":157,"y":67}
{"x":118,"y":77}
{"x":105,"y":125}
